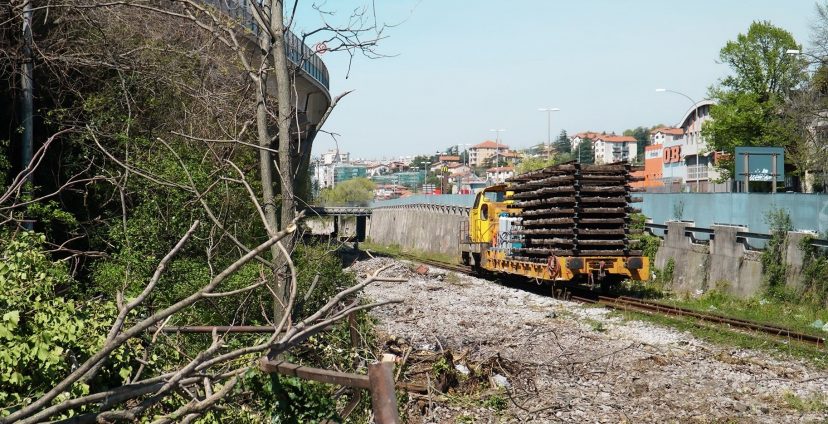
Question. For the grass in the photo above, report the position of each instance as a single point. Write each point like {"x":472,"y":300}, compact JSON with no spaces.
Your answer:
{"x":396,"y":251}
{"x":454,"y":279}
{"x":723,"y":336}
{"x":814,"y":403}
{"x":794,"y":316}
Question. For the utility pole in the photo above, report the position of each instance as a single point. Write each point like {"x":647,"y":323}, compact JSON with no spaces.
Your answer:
{"x":26,"y":88}
{"x":497,"y":145}
{"x":549,"y":111}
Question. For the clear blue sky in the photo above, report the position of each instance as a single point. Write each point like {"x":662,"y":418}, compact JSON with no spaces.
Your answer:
{"x":461,"y":68}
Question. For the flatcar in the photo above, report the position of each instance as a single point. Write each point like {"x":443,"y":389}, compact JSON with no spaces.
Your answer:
{"x":567,"y":223}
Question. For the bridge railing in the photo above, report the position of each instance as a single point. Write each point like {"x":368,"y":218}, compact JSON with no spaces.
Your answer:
{"x":297,"y":52}
{"x":461,"y":200}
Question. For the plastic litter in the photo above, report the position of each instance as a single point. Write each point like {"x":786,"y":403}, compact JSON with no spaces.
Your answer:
{"x":501,"y":381}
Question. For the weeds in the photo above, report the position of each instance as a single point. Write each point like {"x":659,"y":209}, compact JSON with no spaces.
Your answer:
{"x":453,"y":279}
{"x":813,"y":403}
{"x":396,"y":250}
{"x":773,"y":257}
{"x":814,"y":272}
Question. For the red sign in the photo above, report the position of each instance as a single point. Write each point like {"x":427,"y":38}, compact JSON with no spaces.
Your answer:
{"x":672,"y":154}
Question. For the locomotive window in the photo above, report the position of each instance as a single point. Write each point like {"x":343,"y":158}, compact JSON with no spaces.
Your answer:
{"x":484,"y":212}
{"x":494,"y":196}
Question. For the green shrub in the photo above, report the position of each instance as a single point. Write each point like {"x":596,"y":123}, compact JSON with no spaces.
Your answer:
{"x":773,"y":257}
{"x":814,"y":273}
{"x":44,"y":335}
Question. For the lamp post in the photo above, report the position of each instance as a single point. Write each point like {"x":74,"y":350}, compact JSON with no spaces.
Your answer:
{"x":548,"y":111}
{"x":697,"y":124}
{"x":497,"y":145}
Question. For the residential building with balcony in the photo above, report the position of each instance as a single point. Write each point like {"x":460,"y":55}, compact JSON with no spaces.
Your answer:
{"x":609,"y":148}
{"x":479,"y":153}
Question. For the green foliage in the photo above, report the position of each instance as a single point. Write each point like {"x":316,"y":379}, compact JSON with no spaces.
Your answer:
{"x":355,"y":191}
{"x":642,"y":136}
{"x":562,"y":144}
{"x":648,"y":243}
{"x":749,"y":102}
{"x":440,"y":367}
{"x":585,"y":152}
{"x":814,"y":403}
{"x":422,"y":161}
{"x":759,"y":62}
{"x":300,"y":401}
{"x":496,"y":402}
{"x":663,"y":277}
{"x":44,"y":335}
{"x":814,"y":272}
{"x":774,"y":266}
{"x":678,"y":210}
{"x":534,"y":163}
{"x":317,"y":263}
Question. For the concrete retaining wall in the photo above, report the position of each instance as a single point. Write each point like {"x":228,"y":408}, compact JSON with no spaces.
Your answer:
{"x":699,"y":264}
{"x":702,"y":264}
{"x":429,"y":228}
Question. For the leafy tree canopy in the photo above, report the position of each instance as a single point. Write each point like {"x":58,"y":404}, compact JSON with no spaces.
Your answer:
{"x":562,"y":144}
{"x":355,"y":191}
{"x":750,"y":101}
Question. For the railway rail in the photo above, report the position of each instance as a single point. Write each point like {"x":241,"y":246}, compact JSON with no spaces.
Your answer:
{"x":626,"y":303}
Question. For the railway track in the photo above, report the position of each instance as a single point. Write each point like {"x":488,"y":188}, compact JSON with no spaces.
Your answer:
{"x":626,"y":303}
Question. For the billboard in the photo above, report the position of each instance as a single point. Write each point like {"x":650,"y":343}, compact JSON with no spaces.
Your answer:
{"x":760,"y":163}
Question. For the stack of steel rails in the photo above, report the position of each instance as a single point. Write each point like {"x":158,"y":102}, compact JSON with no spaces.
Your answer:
{"x":574,"y":210}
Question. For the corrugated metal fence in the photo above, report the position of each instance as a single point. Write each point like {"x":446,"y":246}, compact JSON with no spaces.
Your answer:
{"x":808,"y":212}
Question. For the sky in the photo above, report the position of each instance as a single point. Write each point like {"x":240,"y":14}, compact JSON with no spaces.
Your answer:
{"x":454,"y":69}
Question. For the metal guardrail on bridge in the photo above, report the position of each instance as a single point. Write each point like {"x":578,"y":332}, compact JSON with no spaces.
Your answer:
{"x":338,"y":211}
{"x":297,"y":52}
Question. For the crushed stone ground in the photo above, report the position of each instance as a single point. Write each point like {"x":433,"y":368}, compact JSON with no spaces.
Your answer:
{"x":567,"y":362}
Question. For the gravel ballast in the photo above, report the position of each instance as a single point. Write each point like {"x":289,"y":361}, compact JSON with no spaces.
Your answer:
{"x":567,"y":362}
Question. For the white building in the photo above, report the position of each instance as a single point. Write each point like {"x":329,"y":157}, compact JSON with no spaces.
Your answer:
{"x":665,"y":135}
{"x":500,"y":174}
{"x":333,"y":156}
{"x":323,"y":174}
{"x":688,"y":159}
{"x":576,"y":139}
{"x":615,"y":148}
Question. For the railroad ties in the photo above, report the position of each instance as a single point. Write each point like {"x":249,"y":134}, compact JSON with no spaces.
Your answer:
{"x":574,"y":210}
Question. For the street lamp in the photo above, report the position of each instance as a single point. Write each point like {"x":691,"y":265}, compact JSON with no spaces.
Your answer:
{"x":548,"y":111}
{"x":497,"y":145}
{"x":697,"y":125}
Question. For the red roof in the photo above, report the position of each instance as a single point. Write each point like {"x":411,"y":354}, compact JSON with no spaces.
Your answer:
{"x":617,"y":138}
{"x":668,"y":130}
{"x":448,"y":158}
{"x":587,"y":134}
{"x":489,"y":144}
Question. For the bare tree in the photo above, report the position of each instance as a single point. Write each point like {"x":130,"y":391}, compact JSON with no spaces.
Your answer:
{"x":236,"y":114}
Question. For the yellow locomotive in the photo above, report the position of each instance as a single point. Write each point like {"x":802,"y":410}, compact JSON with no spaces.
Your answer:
{"x":563,"y":223}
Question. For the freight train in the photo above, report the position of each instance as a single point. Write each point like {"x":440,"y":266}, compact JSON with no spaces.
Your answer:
{"x":569,"y":222}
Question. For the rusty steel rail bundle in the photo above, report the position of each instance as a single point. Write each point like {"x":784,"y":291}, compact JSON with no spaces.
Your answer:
{"x":586,"y":207}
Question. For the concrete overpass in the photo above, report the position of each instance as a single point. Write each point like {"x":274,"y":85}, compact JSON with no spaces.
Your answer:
{"x":310,"y":94}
